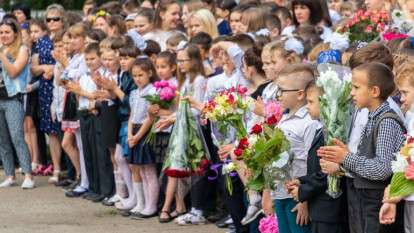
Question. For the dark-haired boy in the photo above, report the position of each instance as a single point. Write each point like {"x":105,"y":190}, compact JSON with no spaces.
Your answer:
{"x":372,"y":84}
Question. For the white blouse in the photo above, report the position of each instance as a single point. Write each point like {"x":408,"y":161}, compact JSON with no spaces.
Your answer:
{"x":139,"y":106}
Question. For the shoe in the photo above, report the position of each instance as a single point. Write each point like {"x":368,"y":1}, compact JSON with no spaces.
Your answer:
{"x":111,"y":201}
{"x":90,"y":196}
{"x":225,"y":222}
{"x":231,"y":229}
{"x":38,"y":170}
{"x":253,"y":211}
{"x":125,"y":213}
{"x":55,"y":178}
{"x":48,"y":171}
{"x":136,"y":215}
{"x":98,"y":198}
{"x":28,"y":184}
{"x":190,"y":219}
{"x":73,"y":193}
{"x":64,"y":183}
{"x":143,"y":216}
{"x":73,"y":185}
{"x":7,"y":183}
{"x":165,"y":220}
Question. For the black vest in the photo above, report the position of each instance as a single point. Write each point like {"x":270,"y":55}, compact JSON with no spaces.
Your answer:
{"x":367,"y":148}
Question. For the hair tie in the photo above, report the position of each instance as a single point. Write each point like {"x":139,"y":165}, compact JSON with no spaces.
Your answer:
{"x":293,"y":44}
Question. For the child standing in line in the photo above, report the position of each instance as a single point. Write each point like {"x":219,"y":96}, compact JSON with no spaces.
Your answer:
{"x":141,"y":158}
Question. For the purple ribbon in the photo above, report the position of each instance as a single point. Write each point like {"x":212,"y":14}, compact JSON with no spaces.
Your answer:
{"x":215,"y":168}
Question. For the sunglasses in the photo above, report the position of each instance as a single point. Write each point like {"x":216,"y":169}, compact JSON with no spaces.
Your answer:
{"x":54,"y":19}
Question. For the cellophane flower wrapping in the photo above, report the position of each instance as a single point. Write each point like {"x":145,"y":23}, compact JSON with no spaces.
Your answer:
{"x":187,"y":152}
{"x":262,"y":149}
{"x":402,"y":182}
{"x":335,"y":110}
{"x":269,"y":224}
{"x":164,"y":97}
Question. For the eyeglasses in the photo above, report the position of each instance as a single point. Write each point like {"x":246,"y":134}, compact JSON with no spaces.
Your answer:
{"x":54,"y":19}
{"x":183,"y":60}
{"x":280,"y":91}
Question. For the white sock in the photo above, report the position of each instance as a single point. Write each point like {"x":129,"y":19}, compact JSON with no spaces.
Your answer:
{"x":196,"y":211}
{"x":140,"y":197}
{"x":254,"y":197}
{"x":131,"y":201}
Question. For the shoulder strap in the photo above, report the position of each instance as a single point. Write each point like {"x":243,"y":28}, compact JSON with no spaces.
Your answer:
{"x":387,"y":115}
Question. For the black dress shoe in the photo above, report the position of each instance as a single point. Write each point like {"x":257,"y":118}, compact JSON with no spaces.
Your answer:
{"x":64,"y":183}
{"x":223,"y":223}
{"x":90,"y":196}
{"x":74,"y":193}
{"x":107,"y":202}
{"x":98,"y":198}
{"x":143,"y":216}
{"x":125,"y":213}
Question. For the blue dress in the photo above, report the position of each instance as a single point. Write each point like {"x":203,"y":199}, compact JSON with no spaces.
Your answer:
{"x":43,"y":48}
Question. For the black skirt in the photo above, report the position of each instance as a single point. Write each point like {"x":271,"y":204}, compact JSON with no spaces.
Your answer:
{"x":141,"y":153}
{"x":109,"y":124}
{"x":31,"y":104}
{"x":160,"y":146}
{"x":70,"y":112}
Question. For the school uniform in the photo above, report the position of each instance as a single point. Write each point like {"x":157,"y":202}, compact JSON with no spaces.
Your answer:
{"x":299,"y":130}
{"x":141,"y":153}
{"x":327,"y":214}
{"x":381,"y":138}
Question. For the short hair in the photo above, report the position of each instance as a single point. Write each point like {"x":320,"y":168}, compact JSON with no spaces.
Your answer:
{"x":226,"y":4}
{"x":312,"y":85}
{"x":146,"y":13}
{"x":23,"y":7}
{"x":202,"y":39}
{"x":78,"y":29}
{"x":244,"y":41}
{"x":93,"y":48}
{"x":307,"y":74}
{"x":96,"y":34}
{"x":373,"y":52}
{"x":405,"y":73}
{"x":252,"y":58}
{"x":379,"y":75}
{"x":129,"y":51}
{"x":176,"y":38}
{"x":38,"y":22}
{"x":152,"y":48}
{"x":170,"y":57}
{"x":272,"y":22}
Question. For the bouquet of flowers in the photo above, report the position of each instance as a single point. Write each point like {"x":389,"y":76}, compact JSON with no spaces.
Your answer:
{"x":365,"y":26}
{"x":164,"y":97}
{"x":187,"y":151}
{"x":269,"y":224}
{"x":261,"y":148}
{"x":228,"y":108}
{"x":335,"y":107}
{"x":402,"y":182}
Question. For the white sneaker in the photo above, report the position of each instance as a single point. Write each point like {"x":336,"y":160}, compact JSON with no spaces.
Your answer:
{"x":191,"y":219}
{"x":28,"y":184}
{"x":7,"y":183}
{"x":114,"y":199}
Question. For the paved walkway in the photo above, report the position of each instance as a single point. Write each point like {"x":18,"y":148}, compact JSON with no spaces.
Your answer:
{"x":46,"y":210}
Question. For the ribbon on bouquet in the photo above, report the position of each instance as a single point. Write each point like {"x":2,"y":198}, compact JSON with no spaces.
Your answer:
{"x":215,"y":168}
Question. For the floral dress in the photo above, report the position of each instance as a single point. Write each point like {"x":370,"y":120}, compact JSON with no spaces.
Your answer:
{"x":43,"y":48}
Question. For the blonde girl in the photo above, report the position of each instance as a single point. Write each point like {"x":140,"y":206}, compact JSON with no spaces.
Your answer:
{"x":202,"y":21}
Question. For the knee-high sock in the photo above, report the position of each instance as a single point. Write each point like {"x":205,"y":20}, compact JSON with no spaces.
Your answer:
{"x":140,"y":198}
{"x":84,"y":182}
{"x":123,"y":169}
{"x":131,"y":201}
{"x":153,"y":188}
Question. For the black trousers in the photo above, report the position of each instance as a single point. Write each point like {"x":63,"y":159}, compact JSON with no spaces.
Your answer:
{"x":368,"y":208}
{"x":321,"y":227}
{"x":97,"y":157}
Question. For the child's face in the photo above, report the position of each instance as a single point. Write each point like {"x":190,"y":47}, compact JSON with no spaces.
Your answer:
{"x":142,"y":25}
{"x":183,"y":61}
{"x":141,"y":77}
{"x":267,"y":64}
{"x":312,"y":99}
{"x":374,"y":5}
{"x":346,"y":14}
{"x":110,"y":60}
{"x":195,"y":25}
{"x":171,"y":17}
{"x":21,"y":17}
{"x":67,"y":45}
{"x":361,"y":91}
{"x":288,"y":95}
{"x":36,"y":32}
{"x":172,"y":48}
{"x":92,"y":61}
{"x":59,"y":47}
{"x":221,"y":13}
{"x":335,"y":5}
{"x":164,"y":70}
{"x":407,"y":94}
{"x":278,"y":62}
{"x":235,"y":21}
{"x":126,"y":62}
{"x":101,"y":23}
{"x":409,"y":7}
{"x":77,"y":43}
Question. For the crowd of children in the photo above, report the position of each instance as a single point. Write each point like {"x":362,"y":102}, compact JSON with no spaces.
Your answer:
{"x":75,"y":85}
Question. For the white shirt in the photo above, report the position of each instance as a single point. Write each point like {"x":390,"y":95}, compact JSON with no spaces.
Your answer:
{"x":114,"y":77}
{"x":160,"y":37}
{"x":139,"y":106}
{"x":76,"y":68}
{"x":299,"y":130}
{"x":57,"y":107}
{"x":89,"y":86}
{"x":361,"y":119}
{"x":197,"y":90}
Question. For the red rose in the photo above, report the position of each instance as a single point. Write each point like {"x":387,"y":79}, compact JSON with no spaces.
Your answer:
{"x":257,"y":129}
{"x":410,"y":140}
{"x":243,"y":144}
{"x":230,"y":99}
{"x":272,"y":120}
{"x":238,"y":152}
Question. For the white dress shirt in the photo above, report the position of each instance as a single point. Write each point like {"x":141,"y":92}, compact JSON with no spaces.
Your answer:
{"x":139,"y":106}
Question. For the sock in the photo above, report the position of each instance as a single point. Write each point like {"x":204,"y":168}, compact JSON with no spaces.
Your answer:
{"x":196,"y":211}
{"x":120,"y":186}
{"x":130,"y":202}
{"x":153,"y":189}
{"x":254,"y":197}
{"x":140,"y":198}
{"x":84,"y":182}
{"x":123,"y":169}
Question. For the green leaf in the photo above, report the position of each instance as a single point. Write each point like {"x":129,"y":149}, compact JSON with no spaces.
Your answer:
{"x":401,"y":186}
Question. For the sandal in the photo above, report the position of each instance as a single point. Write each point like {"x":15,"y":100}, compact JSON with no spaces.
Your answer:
{"x":165,"y":220}
{"x":176,"y":214}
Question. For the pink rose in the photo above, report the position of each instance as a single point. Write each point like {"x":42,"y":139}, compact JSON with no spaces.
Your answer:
{"x":269,"y":225}
{"x":167,"y":94}
{"x":368,"y":29}
{"x":409,"y":173}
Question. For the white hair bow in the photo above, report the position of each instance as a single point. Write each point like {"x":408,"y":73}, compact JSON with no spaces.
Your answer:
{"x":293,"y":44}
